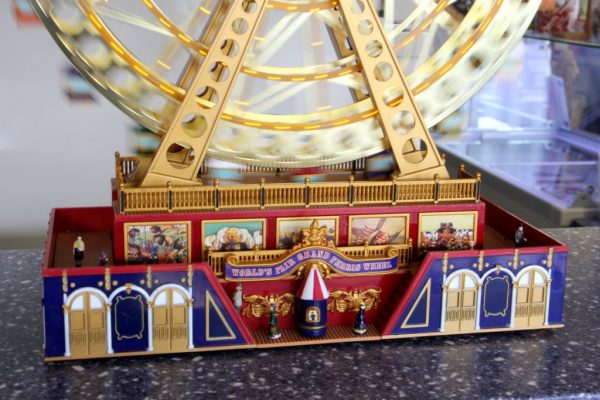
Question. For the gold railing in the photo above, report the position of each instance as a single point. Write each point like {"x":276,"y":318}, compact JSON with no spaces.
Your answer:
{"x":307,"y":194}
{"x":277,"y":195}
{"x":216,"y":260}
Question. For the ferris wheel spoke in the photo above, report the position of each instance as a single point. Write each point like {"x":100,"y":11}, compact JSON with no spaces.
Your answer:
{"x":131,"y":19}
{"x":277,"y":37}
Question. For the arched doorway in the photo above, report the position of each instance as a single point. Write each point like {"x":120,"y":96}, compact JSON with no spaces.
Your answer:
{"x":530,"y":307}
{"x":87,"y":325}
{"x":461,"y":303}
{"x":170,"y":322}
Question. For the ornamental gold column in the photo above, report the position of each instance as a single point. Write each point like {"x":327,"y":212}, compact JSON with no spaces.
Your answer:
{"x":403,"y":127}
{"x":184,"y":145}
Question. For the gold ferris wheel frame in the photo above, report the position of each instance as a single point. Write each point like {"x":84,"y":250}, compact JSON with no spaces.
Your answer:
{"x":435,"y":71}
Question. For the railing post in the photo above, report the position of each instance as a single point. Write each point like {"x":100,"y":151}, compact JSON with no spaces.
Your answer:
{"x":351,"y":191}
{"x":306,"y":192}
{"x":394,"y":190}
{"x":262,"y":193}
{"x":117,"y":163}
{"x":121,"y":198}
{"x":170,"y":196}
{"x":477,"y":187}
{"x":436,"y":189}
{"x":410,"y":249}
{"x":216,"y":185}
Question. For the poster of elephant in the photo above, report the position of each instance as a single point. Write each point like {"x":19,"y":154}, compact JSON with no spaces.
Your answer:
{"x":233,"y":235}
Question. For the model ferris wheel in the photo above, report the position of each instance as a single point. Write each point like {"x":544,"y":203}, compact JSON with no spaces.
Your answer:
{"x":196,"y":258}
{"x":286,"y":84}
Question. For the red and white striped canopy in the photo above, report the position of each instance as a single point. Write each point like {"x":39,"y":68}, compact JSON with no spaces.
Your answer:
{"x":313,"y":287}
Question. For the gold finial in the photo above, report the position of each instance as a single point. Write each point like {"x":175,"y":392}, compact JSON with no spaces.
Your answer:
{"x":314,"y":236}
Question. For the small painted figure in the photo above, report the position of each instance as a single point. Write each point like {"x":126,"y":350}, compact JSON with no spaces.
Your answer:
{"x":274,"y":332}
{"x":103,"y":258}
{"x":520,"y":236}
{"x":360,"y":325}
{"x":237,"y":297}
{"x":78,"y":251}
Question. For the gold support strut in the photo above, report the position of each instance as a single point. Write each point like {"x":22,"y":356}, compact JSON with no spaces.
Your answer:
{"x":182,"y":150}
{"x":403,"y":127}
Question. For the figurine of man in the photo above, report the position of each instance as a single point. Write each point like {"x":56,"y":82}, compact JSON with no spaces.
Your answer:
{"x":237,"y":297}
{"x":274,"y":332}
{"x":520,"y":236}
{"x":78,"y":250}
{"x":360,"y":325}
{"x":103,"y":258}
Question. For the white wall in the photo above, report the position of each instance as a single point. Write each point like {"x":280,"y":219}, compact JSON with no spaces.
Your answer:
{"x":52,"y":153}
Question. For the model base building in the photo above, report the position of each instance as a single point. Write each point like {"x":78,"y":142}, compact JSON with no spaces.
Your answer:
{"x":422,"y":257}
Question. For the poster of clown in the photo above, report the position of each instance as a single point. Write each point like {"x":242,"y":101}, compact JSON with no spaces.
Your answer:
{"x":233,"y":234}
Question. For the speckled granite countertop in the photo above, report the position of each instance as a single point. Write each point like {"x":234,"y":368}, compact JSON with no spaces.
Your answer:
{"x":560,"y":363}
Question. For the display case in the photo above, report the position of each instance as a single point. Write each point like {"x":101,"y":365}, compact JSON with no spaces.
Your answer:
{"x":534,"y":133}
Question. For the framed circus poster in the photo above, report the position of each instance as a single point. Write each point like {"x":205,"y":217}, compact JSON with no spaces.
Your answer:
{"x":157,"y":242}
{"x":377,"y":230}
{"x":233,"y":234}
{"x":447,"y":231}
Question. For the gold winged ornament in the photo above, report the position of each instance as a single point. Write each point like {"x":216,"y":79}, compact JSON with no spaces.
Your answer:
{"x":343,"y":301}
{"x":259,"y":306}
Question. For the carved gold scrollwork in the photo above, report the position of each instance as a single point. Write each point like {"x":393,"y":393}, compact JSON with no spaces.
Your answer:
{"x":231,"y":259}
{"x":392,"y":252}
{"x":128,"y":287}
{"x":324,"y":269}
{"x":314,"y":236}
{"x":342,"y":301}
{"x":259,"y":306}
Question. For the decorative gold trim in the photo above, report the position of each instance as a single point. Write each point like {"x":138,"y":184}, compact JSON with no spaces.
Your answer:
{"x":507,"y":304}
{"x":128,"y":287}
{"x":312,"y":219}
{"x":426,"y":214}
{"x":190,"y":275}
{"x":232,"y":221}
{"x":515,"y":261}
{"x":480,"y":261}
{"x":550,"y":257}
{"x":208,"y":302}
{"x":259,"y":306}
{"x":406,"y":217}
{"x":65,"y":281}
{"x":107,"y":282}
{"x":188,"y":238}
{"x":154,"y":352}
{"x":323,"y":267}
{"x":149,"y":277}
{"x":426,"y":291}
{"x":472,"y":331}
{"x":445,"y":263}
{"x":342,"y":301}
{"x":314,"y":236}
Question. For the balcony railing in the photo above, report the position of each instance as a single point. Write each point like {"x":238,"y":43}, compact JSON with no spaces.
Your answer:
{"x":265,"y":195}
